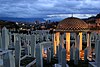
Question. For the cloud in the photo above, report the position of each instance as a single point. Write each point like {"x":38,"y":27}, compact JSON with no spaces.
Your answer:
{"x":62,"y":16}
{"x":43,"y":8}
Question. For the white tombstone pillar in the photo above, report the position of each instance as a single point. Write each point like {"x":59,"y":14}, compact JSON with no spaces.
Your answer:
{"x":98,"y":53}
{"x":27,"y":50}
{"x":76,"y":56}
{"x":8,"y":59}
{"x":52,"y":52}
{"x":48,"y":55}
{"x":63,"y":57}
{"x":62,"y":39}
{"x":54,"y":43}
{"x":89,"y":43}
{"x":0,"y":41}
{"x":77,"y":43}
{"x":72,"y":52}
{"x":5,"y":39}
{"x":39,"y":59}
{"x":17,"y":51}
{"x":85,"y":54}
{"x":96,"y":38}
{"x":10,"y":38}
{"x":28,"y":43}
{"x":33,"y":45}
{"x":47,"y":37}
{"x":59,"y":53}
{"x":76,"y":40}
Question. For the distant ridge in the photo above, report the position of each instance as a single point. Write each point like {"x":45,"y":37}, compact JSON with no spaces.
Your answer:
{"x":21,"y":19}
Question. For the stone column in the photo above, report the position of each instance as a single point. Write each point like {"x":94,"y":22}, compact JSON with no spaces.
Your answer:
{"x":80,"y":43}
{"x":5,"y":39}
{"x":67,"y":42}
{"x":33,"y":45}
{"x":39,"y":60}
{"x":63,"y":57}
{"x":89,"y":43}
{"x":8,"y":59}
{"x":17,"y":51}
{"x":57,"y":38}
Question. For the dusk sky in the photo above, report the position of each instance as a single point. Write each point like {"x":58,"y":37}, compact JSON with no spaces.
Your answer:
{"x":49,"y":9}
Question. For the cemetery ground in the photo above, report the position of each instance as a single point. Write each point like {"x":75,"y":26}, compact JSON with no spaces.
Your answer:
{"x":27,"y":60}
{"x":28,"y":53}
{"x":81,"y":63}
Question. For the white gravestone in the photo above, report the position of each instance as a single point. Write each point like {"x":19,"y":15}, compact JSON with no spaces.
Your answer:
{"x":39,"y":59}
{"x":17,"y":51}
{"x":5,"y":39}
{"x":33,"y":45}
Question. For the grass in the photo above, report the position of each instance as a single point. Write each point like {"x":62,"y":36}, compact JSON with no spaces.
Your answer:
{"x":51,"y":64}
{"x":26,"y":61}
{"x":80,"y":64}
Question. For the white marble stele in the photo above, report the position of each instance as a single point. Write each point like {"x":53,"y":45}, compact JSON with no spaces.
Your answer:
{"x":97,"y":60}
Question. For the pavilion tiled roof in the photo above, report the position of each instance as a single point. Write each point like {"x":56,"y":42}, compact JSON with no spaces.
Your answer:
{"x":72,"y":24}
